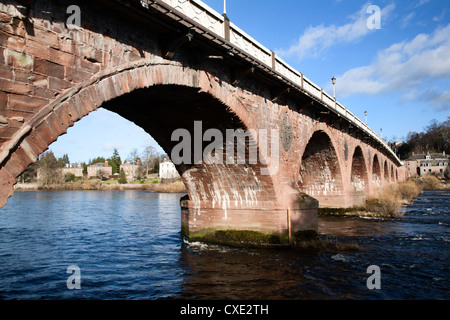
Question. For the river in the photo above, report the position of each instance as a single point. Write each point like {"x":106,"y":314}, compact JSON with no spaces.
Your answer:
{"x":127,"y":245}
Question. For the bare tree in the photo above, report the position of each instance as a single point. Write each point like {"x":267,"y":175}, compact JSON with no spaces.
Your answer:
{"x":133,"y":156}
{"x":102,"y":175}
{"x":435,"y":138}
{"x":149,"y":157}
{"x":140,"y":173}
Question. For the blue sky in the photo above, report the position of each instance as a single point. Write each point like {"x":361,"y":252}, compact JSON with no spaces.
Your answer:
{"x":399,"y":74}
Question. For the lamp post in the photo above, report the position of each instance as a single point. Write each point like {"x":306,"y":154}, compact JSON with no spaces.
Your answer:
{"x":333,"y":80}
{"x":365,"y":114}
{"x":381,"y":133}
{"x":226,"y":23}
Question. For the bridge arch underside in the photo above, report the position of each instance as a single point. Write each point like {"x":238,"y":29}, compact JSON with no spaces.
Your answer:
{"x":386,"y":171}
{"x":376,"y":172}
{"x":320,"y":173}
{"x":359,"y":177}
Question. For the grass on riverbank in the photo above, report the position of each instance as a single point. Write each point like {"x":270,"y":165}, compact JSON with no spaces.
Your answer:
{"x":175,"y":187}
{"x":390,"y":199}
{"x":96,"y":184}
{"x":429,"y":183}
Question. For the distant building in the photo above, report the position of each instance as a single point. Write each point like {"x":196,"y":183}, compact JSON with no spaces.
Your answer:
{"x":75,"y":168}
{"x":101,"y":170}
{"x":133,"y":171}
{"x":77,"y":172}
{"x":167,"y":170}
{"x":427,"y":164}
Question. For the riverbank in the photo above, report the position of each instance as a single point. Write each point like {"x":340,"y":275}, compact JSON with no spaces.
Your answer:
{"x":176,"y":187}
{"x":391,"y":200}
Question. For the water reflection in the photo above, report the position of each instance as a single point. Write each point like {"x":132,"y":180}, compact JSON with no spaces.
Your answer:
{"x":359,"y":226}
{"x":227,"y":273}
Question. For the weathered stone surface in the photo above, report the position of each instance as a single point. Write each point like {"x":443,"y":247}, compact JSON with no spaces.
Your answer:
{"x":7,"y":182}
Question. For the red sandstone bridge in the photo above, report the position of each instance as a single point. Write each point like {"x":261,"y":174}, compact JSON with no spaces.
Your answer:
{"x":165,"y":64}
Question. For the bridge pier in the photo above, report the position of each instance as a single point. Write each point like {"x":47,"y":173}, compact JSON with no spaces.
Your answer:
{"x":263,"y":226}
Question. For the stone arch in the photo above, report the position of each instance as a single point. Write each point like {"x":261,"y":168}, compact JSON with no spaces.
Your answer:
{"x":386,"y":171}
{"x":358,"y":175}
{"x":320,"y":172}
{"x":392,"y":174}
{"x":146,"y":80}
{"x":376,"y":170}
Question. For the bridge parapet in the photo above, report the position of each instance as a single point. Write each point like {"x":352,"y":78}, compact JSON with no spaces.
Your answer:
{"x":214,"y":26}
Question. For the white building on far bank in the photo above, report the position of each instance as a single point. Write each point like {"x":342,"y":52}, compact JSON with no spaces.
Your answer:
{"x":167,"y":170}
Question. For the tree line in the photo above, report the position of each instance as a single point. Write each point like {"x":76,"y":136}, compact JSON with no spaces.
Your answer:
{"x":48,"y":165}
{"x":434,"y":139}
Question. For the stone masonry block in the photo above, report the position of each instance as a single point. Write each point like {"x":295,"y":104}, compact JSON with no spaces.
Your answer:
{"x":45,"y":133}
{"x":18,"y":162}
{"x":48,"y":68}
{"x":61,"y":57}
{"x":56,"y":125}
{"x":58,"y":84}
{"x":19,"y":60}
{"x":35,"y":143}
{"x":26,"y":103}
{"x":76,"y":75}
{"x":15,"y":87}
{"x":63,"y":113}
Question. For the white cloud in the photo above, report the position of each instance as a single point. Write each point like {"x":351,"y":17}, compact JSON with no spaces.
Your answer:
{"x":404,"y":22}
{"x":409,"y":66}
{"x":319,"y":38}
{"x":422,"y":2}
{"x":440,"y":17}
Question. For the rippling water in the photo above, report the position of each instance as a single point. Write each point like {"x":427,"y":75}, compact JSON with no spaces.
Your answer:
{"x":128,"y":246}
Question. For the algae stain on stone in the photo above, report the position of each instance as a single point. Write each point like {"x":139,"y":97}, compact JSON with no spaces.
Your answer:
{"x":25,"y":60}
{"x":19,"y":59}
